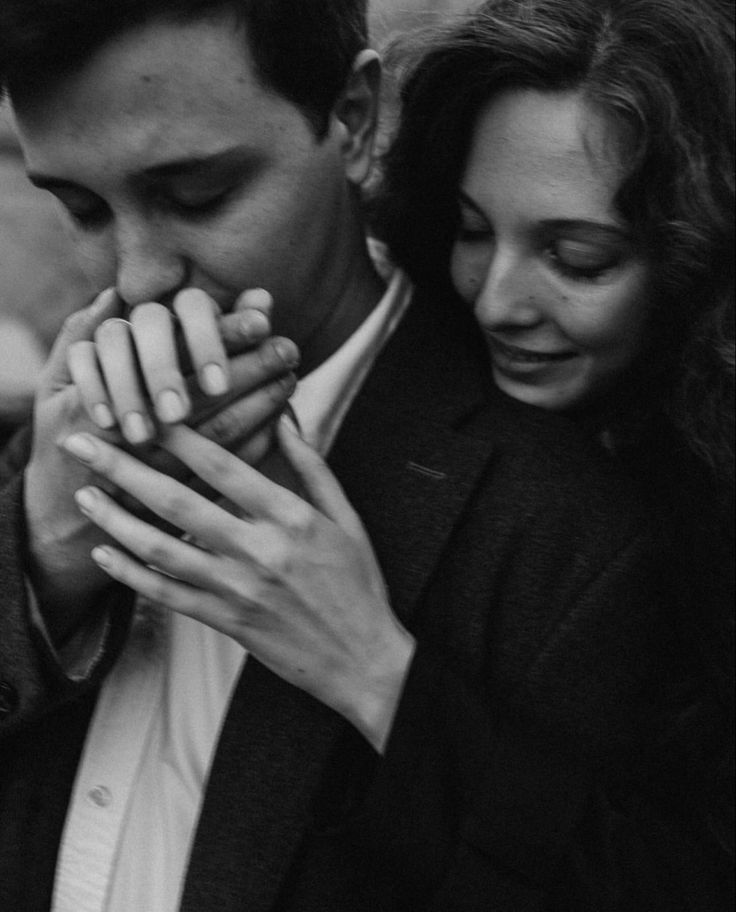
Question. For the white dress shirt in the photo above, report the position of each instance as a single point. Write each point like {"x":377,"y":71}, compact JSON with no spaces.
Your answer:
{"x":148,"y":752}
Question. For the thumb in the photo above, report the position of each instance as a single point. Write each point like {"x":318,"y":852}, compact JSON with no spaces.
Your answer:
{"x":78,"y":327}
{"x":323,"y":489}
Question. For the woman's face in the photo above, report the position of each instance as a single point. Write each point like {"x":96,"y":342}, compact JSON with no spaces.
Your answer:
{"x":555,"y":279}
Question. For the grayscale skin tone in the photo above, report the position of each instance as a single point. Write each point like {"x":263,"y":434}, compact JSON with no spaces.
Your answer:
{"x":554,"y":277}
{"x":186,"y":182}
{"x":558,"y":286}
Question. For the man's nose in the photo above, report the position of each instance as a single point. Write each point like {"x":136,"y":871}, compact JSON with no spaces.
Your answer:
{"x":507,"y":297}
{"x":149,"y":265}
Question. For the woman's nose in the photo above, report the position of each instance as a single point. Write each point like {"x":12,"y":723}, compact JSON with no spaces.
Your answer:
{"x":507,"y":298}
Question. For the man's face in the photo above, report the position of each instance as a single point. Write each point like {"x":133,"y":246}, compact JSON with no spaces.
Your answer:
{"x":177,"y":167}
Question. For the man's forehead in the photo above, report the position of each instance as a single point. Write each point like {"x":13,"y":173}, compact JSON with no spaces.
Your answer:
{"x":159,"y":93}
{"x":161,"y":62}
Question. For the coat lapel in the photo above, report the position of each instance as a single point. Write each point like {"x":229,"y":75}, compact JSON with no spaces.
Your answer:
{"x":406,"y":456}
{"x":408,"y":469}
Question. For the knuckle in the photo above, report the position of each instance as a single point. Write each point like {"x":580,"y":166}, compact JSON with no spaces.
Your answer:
{"x":158,"y":590}
{"x":218,"y":464}
{"x":276,"y":562}
{"x":154,"y":553}
{"x":174,"y":505}
{"x":298,"y":519}
{"x":223,"y":428}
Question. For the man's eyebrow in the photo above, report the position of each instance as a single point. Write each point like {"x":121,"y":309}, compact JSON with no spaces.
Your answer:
{"x":187,"y":166}
{"x":195,"y":164}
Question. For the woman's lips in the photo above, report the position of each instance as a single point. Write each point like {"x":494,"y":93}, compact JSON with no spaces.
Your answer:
{"x":519,"y":355}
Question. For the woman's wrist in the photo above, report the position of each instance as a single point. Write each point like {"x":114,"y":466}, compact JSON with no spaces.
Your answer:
{"x":378,"y":692}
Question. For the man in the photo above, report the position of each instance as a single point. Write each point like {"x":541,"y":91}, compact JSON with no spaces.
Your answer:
{"x":429,"y":739}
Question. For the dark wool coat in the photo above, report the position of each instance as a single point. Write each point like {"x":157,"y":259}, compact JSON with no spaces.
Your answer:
{"x":518,"y":775}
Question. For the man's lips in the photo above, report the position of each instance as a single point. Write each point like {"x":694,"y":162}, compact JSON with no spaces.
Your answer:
{"x":527,"y":355}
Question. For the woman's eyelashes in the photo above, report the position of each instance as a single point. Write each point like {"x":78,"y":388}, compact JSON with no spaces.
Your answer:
{"x":571,"y":258}
{"x":583,"y":261}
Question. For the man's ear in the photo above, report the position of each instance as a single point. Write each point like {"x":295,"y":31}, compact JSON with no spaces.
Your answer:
{"x":356,"y":115}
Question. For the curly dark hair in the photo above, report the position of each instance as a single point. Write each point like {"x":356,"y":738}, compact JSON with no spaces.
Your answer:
{"x":303,"y":49}
{"x":661,"y":68}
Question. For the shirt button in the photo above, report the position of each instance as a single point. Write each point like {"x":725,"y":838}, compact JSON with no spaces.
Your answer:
{"x":100,"y":796}
{"x":8,"y":699}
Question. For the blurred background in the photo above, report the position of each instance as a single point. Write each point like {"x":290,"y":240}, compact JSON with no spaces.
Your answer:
{"x":40,"y":283}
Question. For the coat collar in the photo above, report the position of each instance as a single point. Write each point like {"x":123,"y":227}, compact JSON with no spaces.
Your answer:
{"x":409,"y":456}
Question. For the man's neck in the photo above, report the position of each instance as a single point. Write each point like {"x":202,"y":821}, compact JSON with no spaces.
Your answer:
{"x":362,"y":291}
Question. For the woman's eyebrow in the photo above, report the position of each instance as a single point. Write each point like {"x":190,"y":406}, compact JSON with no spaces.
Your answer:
{"x":605,"y":230}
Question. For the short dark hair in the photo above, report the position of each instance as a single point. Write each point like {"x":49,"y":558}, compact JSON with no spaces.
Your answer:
{"x":663,"y":70}
{"x":302,"y":49}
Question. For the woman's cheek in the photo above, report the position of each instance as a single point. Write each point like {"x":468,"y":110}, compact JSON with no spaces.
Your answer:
{"x":468,"y":272}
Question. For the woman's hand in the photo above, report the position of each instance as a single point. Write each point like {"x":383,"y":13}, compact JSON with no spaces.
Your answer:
{"x":296,"y":583}
{"x":66,"y":582}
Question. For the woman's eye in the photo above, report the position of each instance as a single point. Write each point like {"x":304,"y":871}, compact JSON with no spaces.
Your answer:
{"x":581,"y":260}
{"x":473,"y":232}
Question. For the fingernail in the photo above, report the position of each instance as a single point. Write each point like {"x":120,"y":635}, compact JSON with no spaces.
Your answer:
{"x":103,"y":300}
{"x":101,"y":556}
{"x":103,"y":417}
{"x":86,"y":499}
{"x":287,"y":352}
{"x":135,"y":427}
{"x":288,"y":383}
{"x":256,"y":299}
{"x":170,"y":406}
{"x":82,"y":446}
{"x":254,"y":323}
{"x":213,"y":380}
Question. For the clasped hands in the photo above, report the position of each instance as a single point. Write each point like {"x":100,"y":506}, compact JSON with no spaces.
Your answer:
{"x":293,"y":579}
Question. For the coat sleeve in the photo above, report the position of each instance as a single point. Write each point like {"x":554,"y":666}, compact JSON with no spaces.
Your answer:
{"x":573,"y":794}
{"x":31,"y":678}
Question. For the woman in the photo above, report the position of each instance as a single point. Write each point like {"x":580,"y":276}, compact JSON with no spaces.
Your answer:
{"x":520,"y":123}
{"x":575,"y":256}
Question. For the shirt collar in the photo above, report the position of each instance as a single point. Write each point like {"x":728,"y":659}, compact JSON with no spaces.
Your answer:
{"x":323,"y":397}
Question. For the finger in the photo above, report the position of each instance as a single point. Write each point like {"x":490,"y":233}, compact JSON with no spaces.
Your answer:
{"x":86,"y":375}
{"x":250,"y":321}
{"x":197,"y":313}
{"x":154,"y":336}
{"x":167,"y":498}
{"x":319,"y":483}
{"x":161,"y":589}
{"x":256,"y":299}
{"x":244,"y":486}
{"x":79,"y":326}
{"x":247,"y":415}
{"x":149,"y":544}
{"x":274,"y":359}
{"x":117,"y":357}
{"x":148,"y":582}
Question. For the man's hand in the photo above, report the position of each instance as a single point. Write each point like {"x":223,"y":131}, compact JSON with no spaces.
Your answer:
{"x":59,"y":539}
{"x":296,"y":583}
